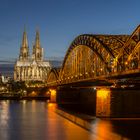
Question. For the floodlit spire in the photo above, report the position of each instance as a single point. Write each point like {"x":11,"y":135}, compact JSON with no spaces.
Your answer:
{"x":24,"y":39}
{"x":37,"y":50}
{"x":37,"y":39}
{"x":24,"y":50}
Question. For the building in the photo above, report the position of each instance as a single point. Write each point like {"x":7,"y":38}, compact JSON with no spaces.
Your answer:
{"x":34,"y":67}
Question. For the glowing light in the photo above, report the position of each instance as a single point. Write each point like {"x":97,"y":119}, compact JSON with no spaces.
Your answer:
{"x":126,"y":63}
{"x":112,"y":66}
{"x":24,"y":102}
{"x":33,"y":93}
{"x":50,"y":104}
{"x":53,"y":91}
{"x":103,"y":93}
{"x":103,"y":102}
{"x":52,"y":95}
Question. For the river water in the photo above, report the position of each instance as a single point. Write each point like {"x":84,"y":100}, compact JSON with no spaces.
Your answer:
{"x":37,"y":120}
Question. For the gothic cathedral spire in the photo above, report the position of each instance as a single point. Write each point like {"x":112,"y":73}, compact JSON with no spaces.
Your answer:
{"x":37,"y":50}
{"x":24,"y":50}
{"x":24,"y":40}
{"x":37,"y":40}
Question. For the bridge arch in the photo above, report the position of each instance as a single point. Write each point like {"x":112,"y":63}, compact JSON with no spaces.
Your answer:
{"x":90,"y":56}
{"x":129,"y":54}
{"x":53,"y":77}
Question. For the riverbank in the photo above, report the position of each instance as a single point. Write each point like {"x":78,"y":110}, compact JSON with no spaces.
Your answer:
{"x":24,"y":98}
{"x":82,"y":120}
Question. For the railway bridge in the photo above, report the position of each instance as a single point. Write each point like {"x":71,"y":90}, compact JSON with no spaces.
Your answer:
{"x":97,"y":60}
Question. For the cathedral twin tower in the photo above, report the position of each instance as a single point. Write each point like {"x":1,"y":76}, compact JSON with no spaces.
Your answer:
{"x":31,"y":68}
{"x":37,"y":53}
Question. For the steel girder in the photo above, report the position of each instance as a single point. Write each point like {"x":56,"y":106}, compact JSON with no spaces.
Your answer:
{"x":53,"y":76}
{"x":97,"y":55}
{"x":128,"y":56}
{"x":104,"y":48}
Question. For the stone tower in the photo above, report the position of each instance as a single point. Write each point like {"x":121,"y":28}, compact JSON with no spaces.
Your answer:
{"x":24,"y":50}
{"x":37,"y":53}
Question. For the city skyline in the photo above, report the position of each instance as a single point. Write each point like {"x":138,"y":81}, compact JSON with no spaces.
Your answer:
{"x":59,"y":22}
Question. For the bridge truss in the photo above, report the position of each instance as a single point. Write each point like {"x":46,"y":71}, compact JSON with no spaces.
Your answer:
{"x":96,"y":56}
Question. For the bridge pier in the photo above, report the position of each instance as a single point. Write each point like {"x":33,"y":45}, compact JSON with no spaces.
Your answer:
{"x":118,"y":103}
{"x":102,"y":102}
{"x":52,"y":95}
{"x":81,"y":100}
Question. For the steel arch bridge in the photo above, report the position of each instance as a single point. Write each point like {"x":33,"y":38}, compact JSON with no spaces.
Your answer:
{"x":53,"y":77}
{"x":100,"y":56}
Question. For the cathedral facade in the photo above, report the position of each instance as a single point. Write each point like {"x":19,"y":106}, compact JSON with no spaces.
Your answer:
{"x":31,"y":67}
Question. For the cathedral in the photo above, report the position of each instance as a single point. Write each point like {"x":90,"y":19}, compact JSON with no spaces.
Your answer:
{"x":31,"y":68}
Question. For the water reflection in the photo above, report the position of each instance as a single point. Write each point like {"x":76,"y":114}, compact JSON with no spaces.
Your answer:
{"x":4,"y":113}
{"x":4,"y":119}
{"x":36,"y":120}
{"x":105,"y":130}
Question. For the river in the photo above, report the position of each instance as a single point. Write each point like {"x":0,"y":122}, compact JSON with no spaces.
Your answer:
{"x":37,"y":120}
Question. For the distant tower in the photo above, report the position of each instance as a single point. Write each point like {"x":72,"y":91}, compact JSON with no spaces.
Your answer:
{"x":37,"y":53}
{"x":24,"y":50}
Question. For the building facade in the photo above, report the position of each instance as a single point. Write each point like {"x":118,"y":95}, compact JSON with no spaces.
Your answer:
{"x":31,"y":67}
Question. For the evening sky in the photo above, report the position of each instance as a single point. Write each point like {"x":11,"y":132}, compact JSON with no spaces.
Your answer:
{"x":60,"y":21}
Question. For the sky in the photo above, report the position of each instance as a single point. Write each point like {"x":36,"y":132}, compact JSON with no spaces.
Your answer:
{"x":61,"y":21}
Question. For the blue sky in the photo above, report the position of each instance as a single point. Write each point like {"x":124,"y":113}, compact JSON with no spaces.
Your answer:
{"x":60,"y":21}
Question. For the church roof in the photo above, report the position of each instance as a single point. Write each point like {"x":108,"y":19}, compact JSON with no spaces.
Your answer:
{"x":30,"y":63}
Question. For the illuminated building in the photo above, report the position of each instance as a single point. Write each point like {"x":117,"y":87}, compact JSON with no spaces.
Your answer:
{"x":31,"y":68}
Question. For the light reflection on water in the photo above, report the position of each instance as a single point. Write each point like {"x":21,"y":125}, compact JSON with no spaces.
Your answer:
{"x":36,"y":120}
{"x":103,"y":130}
{"x":4,"y":118}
